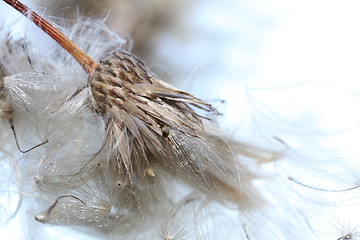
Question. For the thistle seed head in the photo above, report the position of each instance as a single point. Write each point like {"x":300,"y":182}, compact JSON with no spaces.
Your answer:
{"x":150,"y":122}
{"x":124,"y":88}
{"x":141,"y":110}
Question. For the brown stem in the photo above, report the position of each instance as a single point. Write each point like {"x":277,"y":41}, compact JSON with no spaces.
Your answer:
{"x":86,"y":62}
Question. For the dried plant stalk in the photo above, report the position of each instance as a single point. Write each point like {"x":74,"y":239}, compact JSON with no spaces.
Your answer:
{"x":86,"y":62}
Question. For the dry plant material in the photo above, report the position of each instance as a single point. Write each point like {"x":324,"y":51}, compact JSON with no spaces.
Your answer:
{"x":154,"y":133}
{"x":349,"y":233}
{"x":121,"y":142}
{"x":7,"y":113}
{"x":5,"y":108}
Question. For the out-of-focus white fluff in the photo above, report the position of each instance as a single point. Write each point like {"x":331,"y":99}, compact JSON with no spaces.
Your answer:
{"x":40,"y":78}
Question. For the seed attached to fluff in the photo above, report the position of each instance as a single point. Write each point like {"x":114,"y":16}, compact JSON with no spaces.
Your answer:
{"x":150,"y":123}
{"x":7,"y":113}
{"x":5,"y":108}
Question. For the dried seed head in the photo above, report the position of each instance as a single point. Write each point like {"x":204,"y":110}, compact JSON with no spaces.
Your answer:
{"x":148,"y":123}
{"x":141,"y":104}
{"x":141,"y":111}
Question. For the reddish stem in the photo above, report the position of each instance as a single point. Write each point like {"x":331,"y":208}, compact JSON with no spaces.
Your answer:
{"x":86,"y":62}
